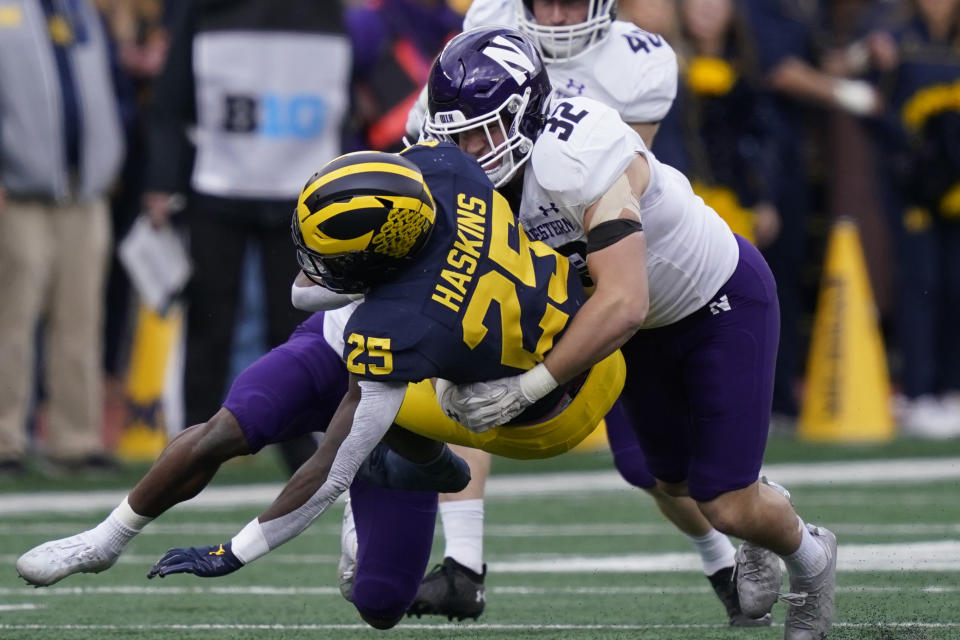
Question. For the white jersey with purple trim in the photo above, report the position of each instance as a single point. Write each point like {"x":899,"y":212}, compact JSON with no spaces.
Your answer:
{"x":583,"y":149}
{"x":631,"y":70}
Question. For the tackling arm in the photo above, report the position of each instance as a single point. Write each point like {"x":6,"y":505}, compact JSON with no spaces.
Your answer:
{"x":616,"y":258}
{"x":619,"y":303}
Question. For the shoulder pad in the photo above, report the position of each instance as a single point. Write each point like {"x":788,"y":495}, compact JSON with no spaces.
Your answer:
{"x":583,"y":148}
{"x":639,"y":69}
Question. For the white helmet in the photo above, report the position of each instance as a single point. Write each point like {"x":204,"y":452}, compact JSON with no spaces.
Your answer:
{"x":560,"y":43}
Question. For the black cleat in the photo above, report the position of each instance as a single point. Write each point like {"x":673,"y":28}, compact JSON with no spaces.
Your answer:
{"x":725,"y":586}
{"x":451,"y":590}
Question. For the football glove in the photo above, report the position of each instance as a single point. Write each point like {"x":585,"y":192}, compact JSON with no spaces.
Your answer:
{"x":481,"y":406}
{"x":205,"y":562}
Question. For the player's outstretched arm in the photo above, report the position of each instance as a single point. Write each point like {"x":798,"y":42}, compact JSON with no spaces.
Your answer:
{"x":361,"y":420}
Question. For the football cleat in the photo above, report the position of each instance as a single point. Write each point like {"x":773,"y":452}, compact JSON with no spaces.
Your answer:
{"x":758,"y":577}
{"x":451,"y":590}
{"x":811,"y":603}
{"x":725,"y":587}
{"x":347,"y":566}
{"x":53,"y":561}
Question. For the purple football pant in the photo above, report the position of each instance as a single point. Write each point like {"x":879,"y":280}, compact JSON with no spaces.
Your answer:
{"x":291,"y":390}
{"x":394,"y":536}
{"x":627,"y":455}
{"x":698,"y":392}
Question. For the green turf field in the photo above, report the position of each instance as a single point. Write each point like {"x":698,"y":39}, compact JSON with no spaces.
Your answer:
{"x":563,"y":564}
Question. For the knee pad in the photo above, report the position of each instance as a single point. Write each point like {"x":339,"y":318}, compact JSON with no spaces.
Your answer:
{"x":381,"y":603}
{"x":628,"y":457}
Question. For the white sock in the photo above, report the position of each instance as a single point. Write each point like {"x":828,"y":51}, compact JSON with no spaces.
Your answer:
{"x":120,"y":527}
{"x":463,"y":530}
{"x":809,"y":559}
{"x":715,"y":549}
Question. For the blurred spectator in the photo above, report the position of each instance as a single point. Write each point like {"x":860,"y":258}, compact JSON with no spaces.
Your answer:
{"x":59,"y":154}
{"x":720,"y":131}
{"x":655,"y":16}
{"x":263,"y":89}
{"x":923,"y":157}
{"x":784,"y":31}
{"x":141,"y":40}
{"x":394,"y":43}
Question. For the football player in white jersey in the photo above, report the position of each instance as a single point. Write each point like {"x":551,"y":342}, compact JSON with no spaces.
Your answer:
{"x":692,"y":306}
{"x":588,"y":53}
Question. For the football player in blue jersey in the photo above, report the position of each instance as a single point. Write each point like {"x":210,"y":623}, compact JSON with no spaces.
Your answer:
{"x":453,"y":289}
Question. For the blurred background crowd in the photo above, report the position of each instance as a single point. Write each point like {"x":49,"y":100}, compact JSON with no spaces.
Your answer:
{"x":790,"y":114}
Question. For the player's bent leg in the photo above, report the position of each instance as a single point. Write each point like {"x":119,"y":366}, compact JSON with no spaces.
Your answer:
{"x":394,"y":536}
{"x":758,"y":572}
{"x":765,"y":519}
{"x":455,"y":587}
{"x":188,"y":463}
{"x":184,"y":467}
{"x":716,"y":551}
{"x":412,"y":462}
{"x":763,"y":516}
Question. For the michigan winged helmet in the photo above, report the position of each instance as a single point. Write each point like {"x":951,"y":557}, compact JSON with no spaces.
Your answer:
{"x":361,"y":218}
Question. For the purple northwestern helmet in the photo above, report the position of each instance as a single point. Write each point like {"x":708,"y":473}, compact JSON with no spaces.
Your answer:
{"x":491,"y":79}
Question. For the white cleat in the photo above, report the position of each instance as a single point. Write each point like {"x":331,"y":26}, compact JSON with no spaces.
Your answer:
{"x":812,"y":606}
{"x":53,"y":561}
{"x":758,"y":574}
{"x":347,"y":566}
{"x":758,"y":571}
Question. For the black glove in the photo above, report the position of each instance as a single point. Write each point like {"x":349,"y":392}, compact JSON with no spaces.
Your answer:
{"x":205,"y":562}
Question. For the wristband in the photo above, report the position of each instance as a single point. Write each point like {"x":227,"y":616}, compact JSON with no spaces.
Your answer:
{"x":537,"y":382}
{"x":249,"y":544}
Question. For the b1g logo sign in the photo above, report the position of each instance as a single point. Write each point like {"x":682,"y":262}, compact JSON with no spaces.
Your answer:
{"x":275,"y":116}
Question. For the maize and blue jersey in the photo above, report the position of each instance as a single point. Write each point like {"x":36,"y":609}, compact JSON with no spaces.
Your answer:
{"x":481,"y":301}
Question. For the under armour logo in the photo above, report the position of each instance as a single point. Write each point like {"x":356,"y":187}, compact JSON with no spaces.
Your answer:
{"x":548,"y":210}
{"x":575,"y":86}
{"x":720,"y":304}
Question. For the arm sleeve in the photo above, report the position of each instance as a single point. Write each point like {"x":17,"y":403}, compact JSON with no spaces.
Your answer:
{"x":379,"y":404}
{"x":173,"y":109}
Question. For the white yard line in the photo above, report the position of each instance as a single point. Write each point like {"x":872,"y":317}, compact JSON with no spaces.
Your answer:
{"x":848,"y":530}
{"x":876,"y":472}
{"x":28,"y":606}
{"x":913,"y":556}
{"x":441,"y":627}
{"x":937,"y":556}
{"x":266,"y":590}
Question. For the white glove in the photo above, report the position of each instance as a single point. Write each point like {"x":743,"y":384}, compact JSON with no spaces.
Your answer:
{"x":856,"y":96}
{"x":481,"y":406}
